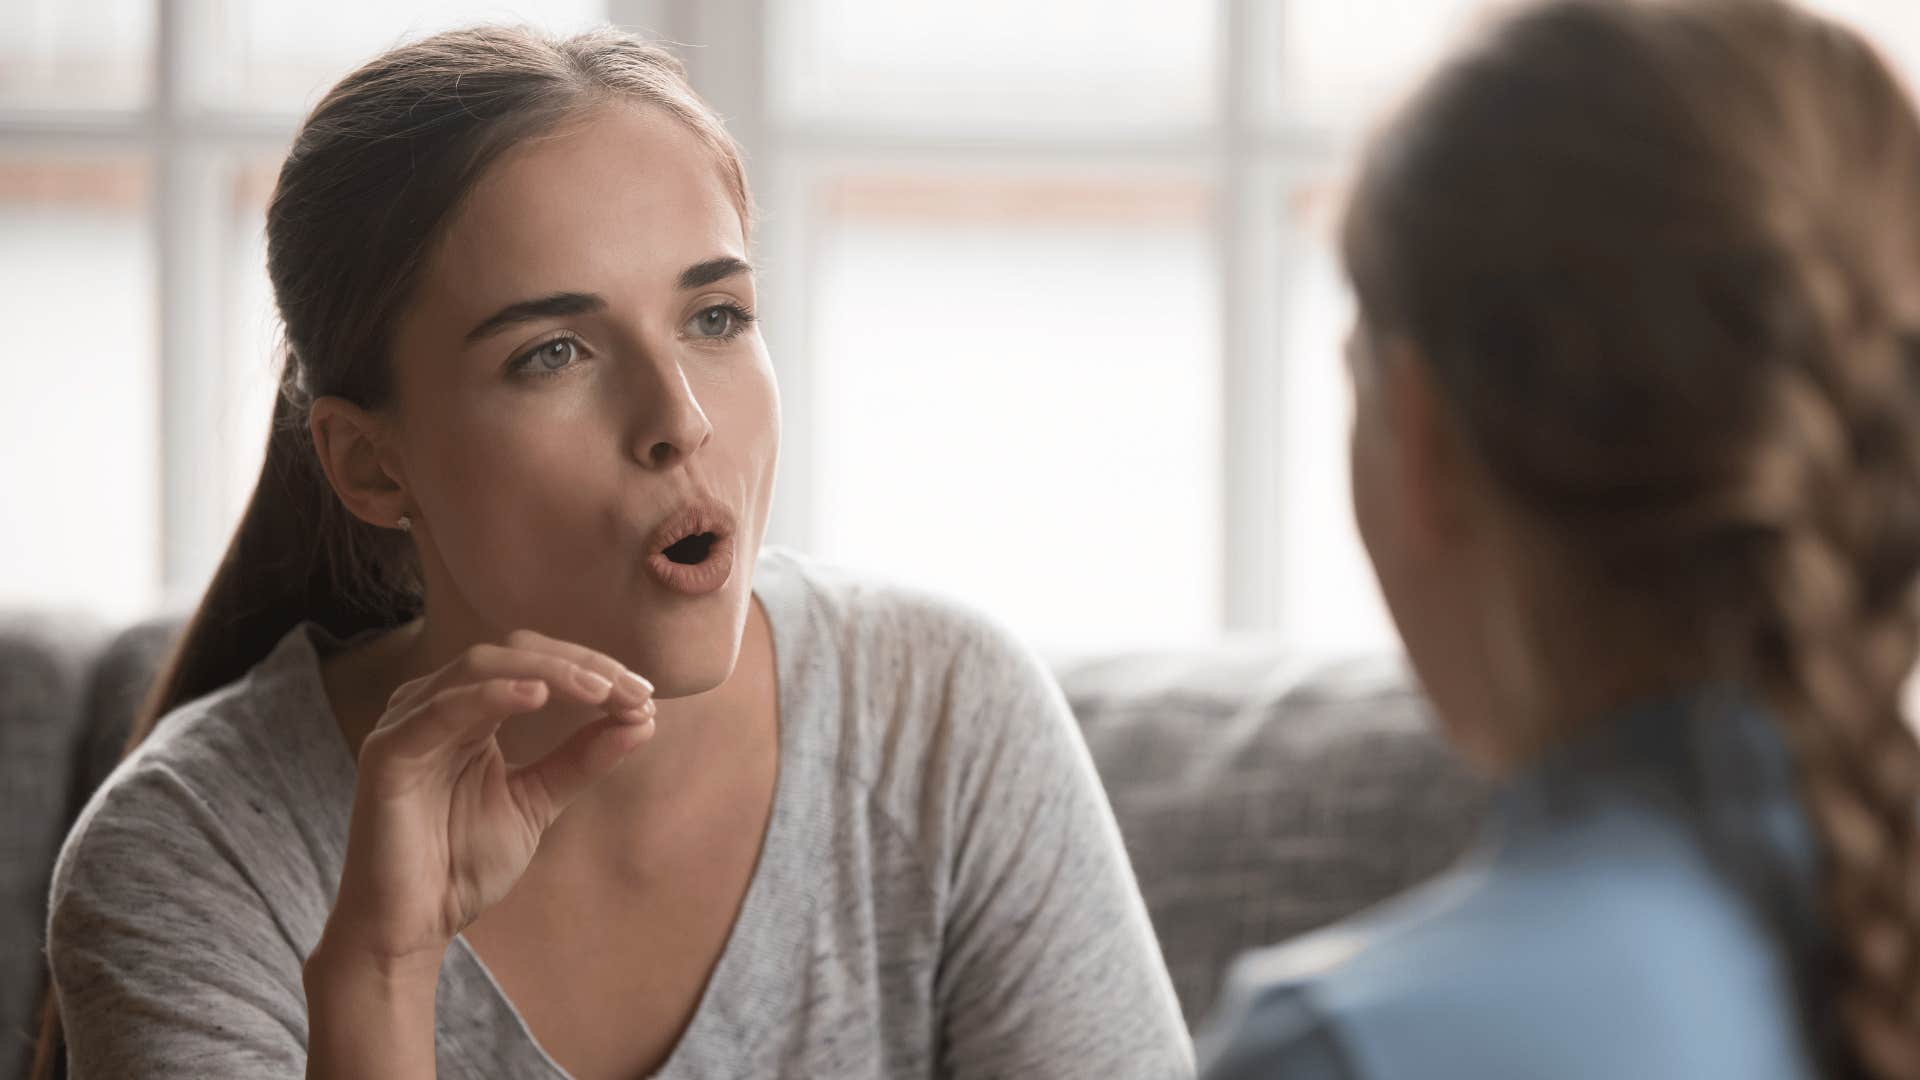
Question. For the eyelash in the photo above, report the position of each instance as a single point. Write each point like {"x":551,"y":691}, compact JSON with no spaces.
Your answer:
{"x":523,"y":363}
{"x":742,"y":319}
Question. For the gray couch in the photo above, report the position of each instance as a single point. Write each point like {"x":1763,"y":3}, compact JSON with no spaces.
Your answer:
{"x":1259,"y":795}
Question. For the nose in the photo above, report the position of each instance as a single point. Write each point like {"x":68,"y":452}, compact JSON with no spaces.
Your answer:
{"x":670,"y":424}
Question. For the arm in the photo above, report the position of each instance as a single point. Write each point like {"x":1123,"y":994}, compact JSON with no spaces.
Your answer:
{"x":1050,"y":966}
{"x":166,"y":960}
{"x":368,"y":1018}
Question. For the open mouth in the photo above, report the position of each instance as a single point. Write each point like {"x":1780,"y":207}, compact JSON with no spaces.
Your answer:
{"x":691,"y":550}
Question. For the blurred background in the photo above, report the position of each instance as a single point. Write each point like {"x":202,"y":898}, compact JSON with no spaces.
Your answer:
{"x":1049,"y":285}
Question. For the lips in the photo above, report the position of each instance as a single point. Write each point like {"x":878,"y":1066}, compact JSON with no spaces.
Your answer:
{"x":692,"y":550}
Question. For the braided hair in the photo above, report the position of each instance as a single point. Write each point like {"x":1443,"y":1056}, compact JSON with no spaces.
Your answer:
{"x":1663,"y":259}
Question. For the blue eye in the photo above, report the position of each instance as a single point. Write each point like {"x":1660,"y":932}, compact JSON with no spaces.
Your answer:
{"x":721,"y":322}
{"x":548,"y":358}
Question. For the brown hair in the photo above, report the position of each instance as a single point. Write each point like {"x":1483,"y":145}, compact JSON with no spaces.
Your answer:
{"x":1663,"y":260}
{"x":375,"y":172}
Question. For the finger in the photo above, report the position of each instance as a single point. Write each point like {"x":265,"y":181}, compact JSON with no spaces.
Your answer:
{"x":631,"y":688}
{"x":545,"y":788}
{"x":409,"y":692}
{"x":563,"y":675}
{"x":455,"y":717}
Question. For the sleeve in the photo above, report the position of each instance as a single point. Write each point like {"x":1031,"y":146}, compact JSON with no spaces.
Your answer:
{"x":1260,"y":1032}
{"x":1050,"y":966}
{"x":166,"y":959}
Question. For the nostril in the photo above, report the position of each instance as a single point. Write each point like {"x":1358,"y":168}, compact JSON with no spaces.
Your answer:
{"x":662,"y":453}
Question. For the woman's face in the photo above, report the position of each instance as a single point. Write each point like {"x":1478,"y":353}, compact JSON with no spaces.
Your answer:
{"x":1371,"y":464}
{"x":585,"y":420}
{"x":1408,"y":504}
{"x":1423,"y":517}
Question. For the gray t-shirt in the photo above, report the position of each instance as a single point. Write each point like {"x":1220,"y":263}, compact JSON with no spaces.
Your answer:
{"x":941,"y":892}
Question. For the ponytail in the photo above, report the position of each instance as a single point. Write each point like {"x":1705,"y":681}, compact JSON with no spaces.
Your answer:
{"x":297,"y":556}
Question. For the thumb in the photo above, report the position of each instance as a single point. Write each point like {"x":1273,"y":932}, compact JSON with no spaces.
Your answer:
{"x":544,"y":788}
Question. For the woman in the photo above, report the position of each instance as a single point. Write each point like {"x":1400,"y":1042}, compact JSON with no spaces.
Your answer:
{"x":498,"y":747}
{"x":1636,"y":455}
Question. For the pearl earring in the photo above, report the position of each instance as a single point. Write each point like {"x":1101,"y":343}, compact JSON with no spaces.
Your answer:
{"x":405,"y":524}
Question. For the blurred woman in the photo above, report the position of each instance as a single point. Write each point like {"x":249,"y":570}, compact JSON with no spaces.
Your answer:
{"x":1636,"y":455}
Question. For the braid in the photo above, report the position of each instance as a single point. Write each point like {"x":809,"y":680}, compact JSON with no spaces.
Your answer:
{"x":1834,"y":650}
{"x":1683,"y":336}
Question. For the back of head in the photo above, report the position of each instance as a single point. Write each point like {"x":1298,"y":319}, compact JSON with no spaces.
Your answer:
{"x":1663,"y":259}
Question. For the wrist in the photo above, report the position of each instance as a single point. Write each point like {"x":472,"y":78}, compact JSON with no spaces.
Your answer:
{"x":341,"y":957}
{"x":369,"y":1013}
{"x":344,"y":947}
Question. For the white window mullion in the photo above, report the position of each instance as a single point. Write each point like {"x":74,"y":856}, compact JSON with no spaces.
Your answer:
{"x":1251,"y":472}
{"x":788,"y":249}
{"x":186,"y":224}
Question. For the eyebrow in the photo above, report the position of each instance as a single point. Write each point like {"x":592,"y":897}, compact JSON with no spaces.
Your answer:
{"x":565,"y":303}
{"x":698,"y":275}
{"x":706,"y":273}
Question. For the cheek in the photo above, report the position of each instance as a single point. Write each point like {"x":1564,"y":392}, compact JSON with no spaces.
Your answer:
{"x":744,"y":409}
{"x":512,"y":486}
{"x":497,"y":461}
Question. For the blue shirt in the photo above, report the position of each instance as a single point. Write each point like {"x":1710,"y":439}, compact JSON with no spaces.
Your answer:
{"x":1643,"y":906}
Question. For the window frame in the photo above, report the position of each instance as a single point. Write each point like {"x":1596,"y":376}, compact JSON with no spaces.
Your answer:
{"x":1248,"y":159}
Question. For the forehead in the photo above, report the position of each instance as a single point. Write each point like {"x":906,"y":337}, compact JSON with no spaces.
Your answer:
{"x":625,"y":197}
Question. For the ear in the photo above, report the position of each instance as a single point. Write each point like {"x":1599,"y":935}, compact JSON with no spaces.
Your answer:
{"x":354,"y":447}
{"x":1428,"y":456}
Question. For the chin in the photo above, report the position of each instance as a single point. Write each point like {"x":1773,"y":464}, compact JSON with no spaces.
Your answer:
{"x":687,"y":648}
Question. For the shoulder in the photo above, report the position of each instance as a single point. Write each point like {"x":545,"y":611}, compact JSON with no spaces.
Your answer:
{"x":1616,"y":951}
{"x":906,"y":651}
{"x":932,"y":700}
{"x":871,"y":615}
{"x":181,"y":779}
{"x":224,"y":788}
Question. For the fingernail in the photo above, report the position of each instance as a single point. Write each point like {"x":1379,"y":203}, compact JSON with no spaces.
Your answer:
{"x":637,"y":716}
{"x":592,"y":682}
{"x":635,"y":686}
{"x":526,"y":687}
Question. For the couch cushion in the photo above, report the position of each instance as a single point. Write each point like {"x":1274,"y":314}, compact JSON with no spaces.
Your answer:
{"x":43,"y":663}
{"x":1261,"y":796}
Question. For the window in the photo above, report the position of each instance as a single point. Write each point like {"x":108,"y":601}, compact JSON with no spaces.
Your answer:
{"x":1016,"y":395}
{"x":76,"y":55}
{"x":138,"y":142}
{"x":78,"y":385}
{"x":1071,"y":326}
{"x":1050,"y":286}
{"x":993,"y":67}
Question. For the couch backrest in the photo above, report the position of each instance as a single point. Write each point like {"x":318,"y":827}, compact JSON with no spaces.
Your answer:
{"x":1261,"y":795}
{"x":44,"y":661}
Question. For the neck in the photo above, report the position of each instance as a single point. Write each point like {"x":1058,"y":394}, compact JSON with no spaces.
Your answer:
{"x":692,"y":731}
{"x":1522,"y":662}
